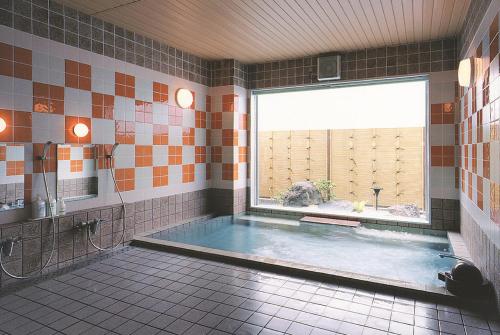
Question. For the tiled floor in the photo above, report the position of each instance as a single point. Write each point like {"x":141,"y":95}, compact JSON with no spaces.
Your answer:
{"x":142,"y":291}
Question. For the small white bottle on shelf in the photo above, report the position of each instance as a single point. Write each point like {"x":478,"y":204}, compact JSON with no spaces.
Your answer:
{"x":61,"y":206}
{"x":53,"y":207}
{"x":38,"y":208}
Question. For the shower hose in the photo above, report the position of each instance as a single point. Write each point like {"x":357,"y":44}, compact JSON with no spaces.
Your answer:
{"x":53,"y":221}
{"x":111,"y":169}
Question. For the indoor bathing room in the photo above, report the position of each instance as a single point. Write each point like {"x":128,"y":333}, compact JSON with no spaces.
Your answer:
{"x":250,"y":167}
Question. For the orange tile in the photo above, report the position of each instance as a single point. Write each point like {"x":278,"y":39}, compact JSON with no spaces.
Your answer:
{"x":71,"y":67}
{"x":3,"y":153}
{"x":200,"y":154}
{"x":242,"y":154}
{"x":40,"y":90}
{"x":120,"y":78}
{"x":120,"y":90}
{"x":71,"y":80}
{"x":208,"y":171}
{"x":6,"y":51}
{"x":188,"y":136}
{"x":208,"y":103}
{"x":175,"y":155}
{"x":22,"y":71}
{"x":22,"y":55}
{"x":188,"y":173}
{"x":56,"y":92}
{"x":229,"y":137}
{"x":22,"y":119}
{"x":84,"y":70}
{"x":22,"y":134}
{"x":216,"y":155}
{"x":229,"y":171}
{"x":84,"y":83}
{"x":216,"y":122}
{"x":6,"y":68}
{"x":160,"y":134}
{"x":200,"y":119}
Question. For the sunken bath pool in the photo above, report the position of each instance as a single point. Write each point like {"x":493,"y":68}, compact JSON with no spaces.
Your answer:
{"x":407,"y":258}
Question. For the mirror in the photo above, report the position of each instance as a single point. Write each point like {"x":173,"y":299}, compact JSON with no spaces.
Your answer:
{"x":76,"y":171}
{"x":11,"y":176}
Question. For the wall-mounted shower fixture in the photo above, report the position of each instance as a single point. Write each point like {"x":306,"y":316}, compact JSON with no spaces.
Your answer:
{"x":93,"y":225}
{"x":7,"y":245}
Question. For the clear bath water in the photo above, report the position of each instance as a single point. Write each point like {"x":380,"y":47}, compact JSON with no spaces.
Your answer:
{"x":387,"y":254}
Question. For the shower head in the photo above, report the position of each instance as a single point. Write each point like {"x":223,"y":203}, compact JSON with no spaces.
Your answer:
{"x":112,"y":153}
{"x":46,"y":148}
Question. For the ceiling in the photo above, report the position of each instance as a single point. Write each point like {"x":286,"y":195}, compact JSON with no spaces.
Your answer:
{"x":262,"y":30}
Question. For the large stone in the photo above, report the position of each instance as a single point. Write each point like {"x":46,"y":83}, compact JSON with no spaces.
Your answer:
{"x":301,"y":194}
{"x":405,"y":210}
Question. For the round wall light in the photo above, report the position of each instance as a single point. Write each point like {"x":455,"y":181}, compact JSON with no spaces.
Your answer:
{"x":466,"y":72}
{"x":184,"y":98}
{"x":80,"y":130}
{"x":3,"y":125}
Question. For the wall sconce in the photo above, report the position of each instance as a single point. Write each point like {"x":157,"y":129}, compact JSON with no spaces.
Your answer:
{"x":184,"y":97}
{"x":466,"y":72}
{"x":3,"y":125}
{"x":80,"y":130}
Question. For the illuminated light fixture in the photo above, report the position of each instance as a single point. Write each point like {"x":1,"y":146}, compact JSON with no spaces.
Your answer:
{"x":184,"y":98}
{"x":466,"y":72}
{"x":80,"y":130}
{"x":3,"y":125}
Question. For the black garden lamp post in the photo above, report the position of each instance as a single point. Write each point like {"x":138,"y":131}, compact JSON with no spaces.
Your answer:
{"x":376,"y":190}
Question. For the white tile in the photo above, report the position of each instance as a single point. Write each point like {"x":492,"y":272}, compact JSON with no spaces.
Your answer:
{"x":56,"y":78}
{"x":174,"y":174}
{"x":15,"y":153}
{"x":242,"y":138}
{"x":228,"y":121}
{"x":143,"y":89}
{"x":23,"y":87}
{"x":40,"y":60}
{"x":188,"y":118}
{"x":6,"y":101}
{"x":6,"y":35}
{"x":229,"y":154}
{"x":143,"y":178}
{"x":143,"y":133}
{"x":125,"y":156}
{"x":23,"y":103}
{"x":40,"y":74}
{"x":77,"y":102}
{"x":124,"y":109}
{"x":47,"y":127}
{"x":188,"y":154}
{"x":103,"y":131}
{"x":160,"y":155}
{"x":216,"y":137}
{"x":160,"y":113}
{"x":174,"y":135}
{"x":200,"y":136}
{"x":22,"y":39}
{"x":6,"y":84}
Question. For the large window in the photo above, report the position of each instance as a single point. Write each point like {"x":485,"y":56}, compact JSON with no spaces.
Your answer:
{"x":332,"y":149}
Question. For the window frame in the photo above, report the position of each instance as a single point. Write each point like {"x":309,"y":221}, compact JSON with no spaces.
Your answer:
{"x":254,"y":154}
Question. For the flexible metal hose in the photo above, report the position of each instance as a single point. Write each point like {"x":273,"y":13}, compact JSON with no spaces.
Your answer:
{"x":123,"y":217}
{"x":53,"y":235}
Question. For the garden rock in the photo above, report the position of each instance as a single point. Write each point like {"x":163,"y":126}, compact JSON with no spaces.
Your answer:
{"x":302,"y":194}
